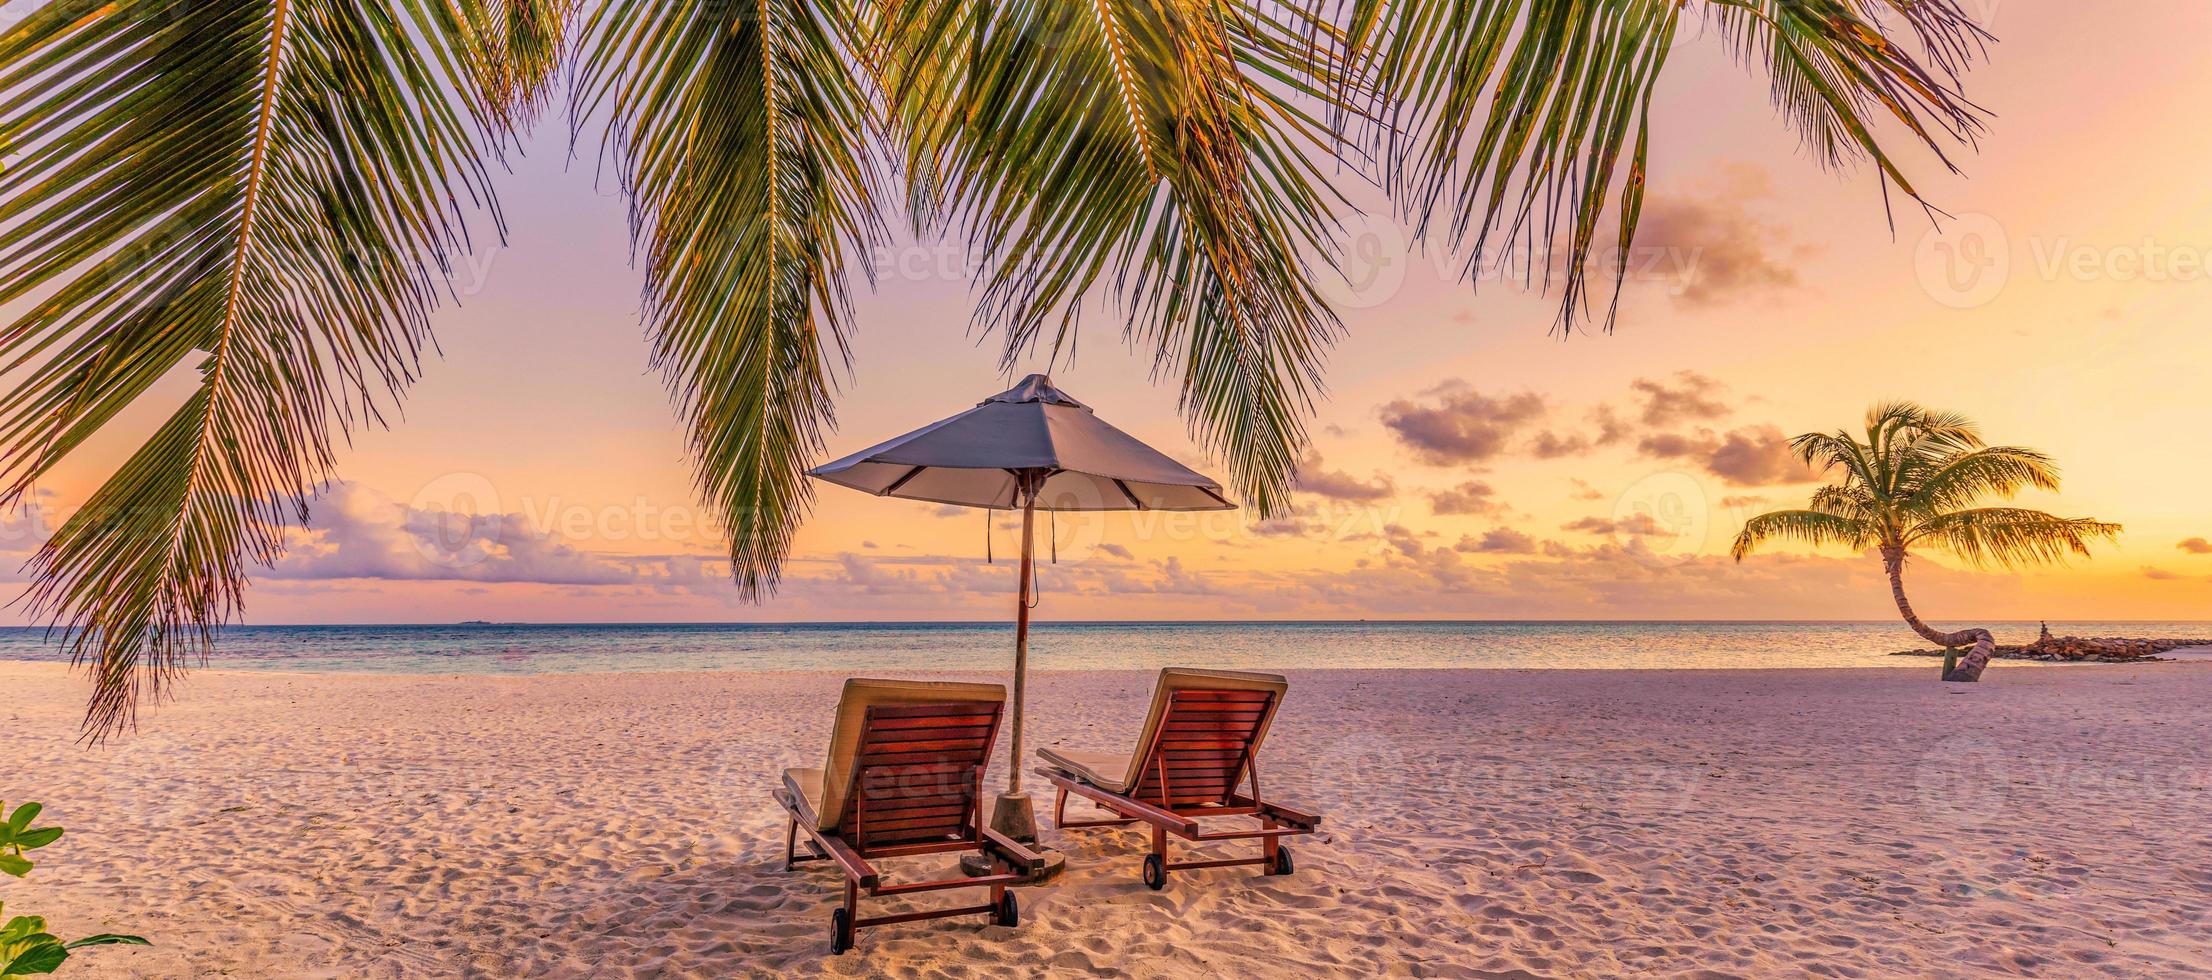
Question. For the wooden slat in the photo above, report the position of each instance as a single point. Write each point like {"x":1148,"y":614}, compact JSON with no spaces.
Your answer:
{"x":884,"y":795}
{"x":1204,"y":755}
{"x":886,"y":735}
{"x":1233,"y":729}
{"x":939,"y":721}
{"x":886,"y":773}
{"x":972,"y":746}
{"x":911,"y":827}
{"x":944,"y":710}
{"x":1213,"y":790}
{"x":954,"y":810}
{"x":1261,"y":696}
{"x":968,"y":758}
{"x":1186,"y":744}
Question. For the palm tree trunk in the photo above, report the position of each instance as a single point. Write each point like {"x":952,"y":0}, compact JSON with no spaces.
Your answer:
{"x":1984,"y":645}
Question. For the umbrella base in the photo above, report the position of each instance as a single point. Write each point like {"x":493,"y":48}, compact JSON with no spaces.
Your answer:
{"x":1016,"y":817}
{"x":976,"y":866}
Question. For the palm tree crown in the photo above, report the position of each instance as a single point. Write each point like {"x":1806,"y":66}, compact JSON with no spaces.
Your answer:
{"x":1916,"y":481}
{"x":258,"y":197}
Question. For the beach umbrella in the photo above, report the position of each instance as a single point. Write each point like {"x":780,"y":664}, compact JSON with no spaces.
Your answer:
{"x":1029,"y":448}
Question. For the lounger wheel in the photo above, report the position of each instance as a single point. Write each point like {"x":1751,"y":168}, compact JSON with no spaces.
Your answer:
{"x":1155,"y":872}
{"x":1009,"y":911}
{"x":1282,"y":865}
{"x":841,"y":932}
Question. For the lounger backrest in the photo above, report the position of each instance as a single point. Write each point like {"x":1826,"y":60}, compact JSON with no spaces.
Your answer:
{"x":1204,"y":728}
{"x":904,"y":753}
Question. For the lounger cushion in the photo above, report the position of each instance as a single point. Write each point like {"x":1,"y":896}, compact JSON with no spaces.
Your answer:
{"x":852,"y":715}
{"x":806,"y":787}
{"x":1096,"y":768}
{"x":1120,"y":773}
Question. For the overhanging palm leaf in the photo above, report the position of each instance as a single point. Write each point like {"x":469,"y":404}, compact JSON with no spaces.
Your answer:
{"x":742,"y":130}
{"x":1125,"y":139}
{"x":1914,"y":482}
{"x":1513,"y":115}
{"x":252,"y":196}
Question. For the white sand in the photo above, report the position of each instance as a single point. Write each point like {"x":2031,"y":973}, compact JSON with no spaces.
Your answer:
{"x":1479,"y":823}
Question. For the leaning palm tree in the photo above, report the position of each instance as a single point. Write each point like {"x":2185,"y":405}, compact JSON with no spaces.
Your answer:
{"x":253,"y":202}
{"x":1916,"y":482}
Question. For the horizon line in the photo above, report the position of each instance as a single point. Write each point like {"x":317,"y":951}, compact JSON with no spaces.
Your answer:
{"x":1140,"y":622}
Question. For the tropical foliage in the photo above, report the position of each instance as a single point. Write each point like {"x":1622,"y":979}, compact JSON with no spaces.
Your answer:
{"x":26,"y":948}
{"x":241,"y":211}
{"x":1918,"y":479}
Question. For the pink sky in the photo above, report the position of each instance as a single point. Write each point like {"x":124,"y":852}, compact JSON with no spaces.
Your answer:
{"x":1469,"y":464}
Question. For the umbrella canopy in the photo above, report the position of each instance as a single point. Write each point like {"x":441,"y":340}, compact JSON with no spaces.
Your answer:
{"x":1031,"y":448}
{"x":984,"y":456}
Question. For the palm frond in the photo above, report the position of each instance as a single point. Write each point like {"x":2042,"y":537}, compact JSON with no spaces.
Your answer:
{"x":259,"y":195}
{"x":1811,"y":527}
{"x":2011,"y":537}
{"x":1835,"y":72}
{"x":1960,"y":481}
{"x":1560,"y":90}
{"x":1513,"y":116}
{"x":515,"y":53}
{"x":1134,"y":145}
{"x":743,"y":134}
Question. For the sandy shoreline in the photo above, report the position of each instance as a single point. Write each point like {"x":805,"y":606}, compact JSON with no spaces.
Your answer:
{"x":1479,"y":823}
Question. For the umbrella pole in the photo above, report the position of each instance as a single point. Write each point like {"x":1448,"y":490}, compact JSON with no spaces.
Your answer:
{"x":1015,"y":816}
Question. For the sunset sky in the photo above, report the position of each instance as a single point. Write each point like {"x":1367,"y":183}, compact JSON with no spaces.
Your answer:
{"x":1468,"y":462}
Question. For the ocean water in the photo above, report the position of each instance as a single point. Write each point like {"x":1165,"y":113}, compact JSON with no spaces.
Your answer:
{"x":893,"y":647}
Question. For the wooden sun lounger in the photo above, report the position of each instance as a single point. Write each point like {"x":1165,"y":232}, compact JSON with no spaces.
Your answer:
{"x":1198,"y":748}
{"x":904,"y":777}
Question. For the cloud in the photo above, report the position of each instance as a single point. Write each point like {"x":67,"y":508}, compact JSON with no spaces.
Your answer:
{"x":1498,"y":541}
{"x":1117,"y":551}
{"x":1750,"y":456}
{"x":1396,"y":537}
{"x":1583,"y":490}
{"x":1715,"y":251}
{"x":1686,"y":397}
{"x":1742,"y":502}
{"x":357,"y":533}
{"x":1633,"y":524}
{"x":1551,"y":445}
{"x":1471,"y":497}
{"x":1457,"y":425}
{"x":1339,"y":485}
{"x":1757,"y":456}
{"x":2196,"y":546}
{"x":948,"y":510}
{"x":2159,"y":574}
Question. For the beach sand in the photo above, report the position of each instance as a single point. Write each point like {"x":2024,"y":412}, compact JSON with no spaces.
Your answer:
{"x":2050,"y":821}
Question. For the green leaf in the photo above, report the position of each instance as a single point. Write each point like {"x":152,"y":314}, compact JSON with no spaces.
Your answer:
{"x":19,"y":929}
{"x":41,"y":957}
{"x":37,"y":838}
{"x":14,"y":864}
{"x":108,"y":939}
{"x":21,"y":819}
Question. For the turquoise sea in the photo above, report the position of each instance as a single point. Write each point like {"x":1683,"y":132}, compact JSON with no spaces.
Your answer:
{"x":887,"y":647}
